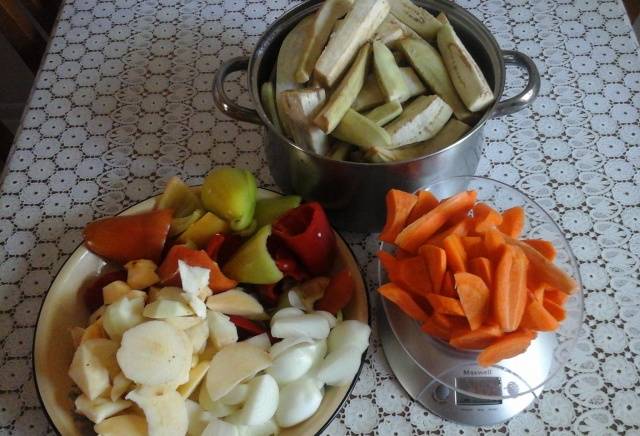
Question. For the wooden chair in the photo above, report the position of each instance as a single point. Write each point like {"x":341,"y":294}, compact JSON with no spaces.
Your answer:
{"x":22,"y":31}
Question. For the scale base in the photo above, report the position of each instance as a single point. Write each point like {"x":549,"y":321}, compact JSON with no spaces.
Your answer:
{"x":437,"y":397}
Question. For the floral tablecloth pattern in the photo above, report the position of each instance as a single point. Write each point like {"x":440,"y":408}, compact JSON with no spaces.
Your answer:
{"x":123,"y":101}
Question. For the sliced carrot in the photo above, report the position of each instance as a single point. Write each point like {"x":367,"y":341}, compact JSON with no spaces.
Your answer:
{"x":436,"y":330}
{"x":426,"y":202}
{"x":508,"y":346}
{"x":474,"y":298}
{"x":399,"y":205}
{"x":460,"y":228}
{"x":389,"y":263}
{"x":456,"y":255}
{"x":544,"y":270}
{"x":401,"y":254}
{"x":473,"y":246}
{"x":512,"y":222}
{"x":419,"y":231}
{"x":448,"y":288}
{"x":519,"y":294}
{"x":436,"y":260}
{"x":554,"y":309}
{"x":445,"y":305}
{"x":502,"y":287}
{"x":537,"y":317}
{"x":556,"y":296}
{"x":412,"y":274}
{"x":481,"y":266}
{"x":403,"y":300}
{"x":493,"y":243}
{"x":463,"y":215}
{"x":452,"y":323}
{"x":545,"y":248}
{"x":537,"y":292}
{"x":475,"y":339}
{"x":485,"y":217}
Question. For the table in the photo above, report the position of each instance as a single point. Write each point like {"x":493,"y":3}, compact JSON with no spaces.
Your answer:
{"x":123,"y":101}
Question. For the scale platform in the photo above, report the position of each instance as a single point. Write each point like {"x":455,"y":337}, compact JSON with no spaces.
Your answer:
{"x":449,"y":383}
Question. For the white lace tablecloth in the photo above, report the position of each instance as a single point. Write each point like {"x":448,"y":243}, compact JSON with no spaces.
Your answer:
{"x":123,"y":101}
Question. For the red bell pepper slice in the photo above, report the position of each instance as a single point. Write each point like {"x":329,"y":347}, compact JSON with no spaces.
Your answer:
{"x":92,"y":294}
{"x":285,"y":260}
{"x":221,"y":247}
{"x":248,"y":326}
{"x":170,"y":276}
{"x":338,"y":293}
{"x":306,"y":231}
{"x":129,"y":237}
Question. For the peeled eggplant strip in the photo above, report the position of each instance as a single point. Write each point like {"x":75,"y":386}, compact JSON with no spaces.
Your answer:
{"x":421,"y":120}
{"x":416,"y":18}
{"x":466,"y":75}
{"x":359,"y":26}
{"x":300,"y":106}
{"x":429,"y":65}
{"x":323,"y":23}
{"x":267,"y":95}
{"x":361,"y":131}
{"x":386,"y":113}
{"x":390,"y":80}
{"x":371,"y":95}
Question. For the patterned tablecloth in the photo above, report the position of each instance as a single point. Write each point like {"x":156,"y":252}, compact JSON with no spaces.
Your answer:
{"x":123,"y":101}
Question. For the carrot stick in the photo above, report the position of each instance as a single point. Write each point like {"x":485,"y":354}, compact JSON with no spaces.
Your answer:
{"x":485,"y":217}
{"x":401,"y":254}
{"x":474,"y":298}
{"x":445,"y":305}
{"x":419,"y":231}
{"x":475,"y":339}
{"x":403,"y":300}
{"x":436,"y":330}
{"x":545,"y":248}
{"x":448,"y":288}
{"x":456,"y":256}
{"x":556,"y":296}
{"x":537,"y":292}
{"x":412,"y":275}
{"x":508,"y":346}
{"x":554,"y":309}
{"x":436,"y":260}
{"x":518,"y":290}
{"x":512,"y":222}
{"x":473,"y":246}
{"x":502,"y":287}
{"x":399,"y":205}
{"x":544,"y":270}
{"x":426,"y":202}
{"x":460,"y":228}
{"x":536,"y":317}
{"x":452,"y":323}
{"x":493,"y":243}
{"x":481,"y":266}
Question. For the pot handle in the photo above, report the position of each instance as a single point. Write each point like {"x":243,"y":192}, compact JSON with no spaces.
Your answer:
{"x":529,"y":93}
{"x":223,"y":102}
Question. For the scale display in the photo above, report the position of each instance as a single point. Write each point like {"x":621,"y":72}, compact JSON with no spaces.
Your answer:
{"x":490,"y":386}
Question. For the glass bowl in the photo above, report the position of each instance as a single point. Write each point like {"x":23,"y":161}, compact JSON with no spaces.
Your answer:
{"x":547,"y":354}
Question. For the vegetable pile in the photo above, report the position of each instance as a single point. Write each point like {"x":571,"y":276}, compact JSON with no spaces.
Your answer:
{"x":222,"y":315}
{"x":460,"y":270}
{"x":374,"y":81}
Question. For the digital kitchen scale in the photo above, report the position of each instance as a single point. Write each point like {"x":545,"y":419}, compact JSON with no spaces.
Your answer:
{"x":449,"y":383}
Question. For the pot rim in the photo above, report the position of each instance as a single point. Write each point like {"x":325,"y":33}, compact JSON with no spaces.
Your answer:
{"x":297,"y":13}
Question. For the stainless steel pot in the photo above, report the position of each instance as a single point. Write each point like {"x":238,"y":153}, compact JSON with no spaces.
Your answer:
{"x":353,"y":193}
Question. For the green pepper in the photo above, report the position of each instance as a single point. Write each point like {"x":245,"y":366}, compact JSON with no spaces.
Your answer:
{"x":230,"y":193}
{"x":270,"y":209}
{"x":252,"y":263}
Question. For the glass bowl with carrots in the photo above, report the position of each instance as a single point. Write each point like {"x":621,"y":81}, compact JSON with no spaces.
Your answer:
{"x":475,"y":273}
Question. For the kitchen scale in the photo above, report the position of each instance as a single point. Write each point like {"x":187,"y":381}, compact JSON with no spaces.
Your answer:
{"x":449,"y":382}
